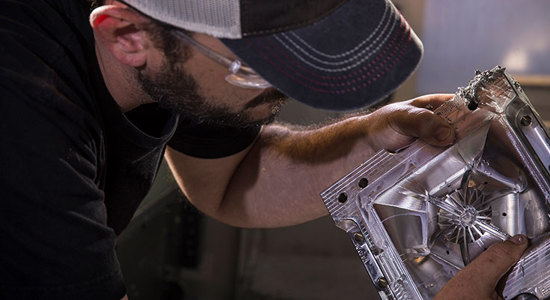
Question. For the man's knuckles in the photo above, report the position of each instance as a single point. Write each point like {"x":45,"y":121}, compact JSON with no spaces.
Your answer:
{"x":431,"y":101}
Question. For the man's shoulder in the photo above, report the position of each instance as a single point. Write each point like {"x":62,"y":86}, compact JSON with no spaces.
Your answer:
{"x":47,"y":57}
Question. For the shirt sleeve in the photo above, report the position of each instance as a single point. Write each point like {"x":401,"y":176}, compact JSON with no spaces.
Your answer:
{"x":55,"y":242}
{"x":212,"y":141}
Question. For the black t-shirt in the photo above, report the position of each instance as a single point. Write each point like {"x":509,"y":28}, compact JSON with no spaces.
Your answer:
{"x":73,"y":167}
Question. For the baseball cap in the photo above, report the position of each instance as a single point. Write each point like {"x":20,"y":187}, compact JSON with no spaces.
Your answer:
{"x":329,"y":54}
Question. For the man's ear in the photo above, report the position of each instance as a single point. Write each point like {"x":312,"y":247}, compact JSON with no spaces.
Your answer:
{"x":120,"y":30}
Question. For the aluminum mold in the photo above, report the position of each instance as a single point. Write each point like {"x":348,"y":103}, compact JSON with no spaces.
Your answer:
{"x":418,"y":216}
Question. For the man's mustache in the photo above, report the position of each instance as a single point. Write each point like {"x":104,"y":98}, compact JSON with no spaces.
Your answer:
{"x":270,"y":95}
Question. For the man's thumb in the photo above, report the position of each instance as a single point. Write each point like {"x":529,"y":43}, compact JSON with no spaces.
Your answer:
{"x":492,"y":264}
{"x":479,"y":279}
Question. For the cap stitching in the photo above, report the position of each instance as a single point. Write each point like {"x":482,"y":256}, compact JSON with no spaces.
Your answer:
{"x":353,"y":59}
{"x":371,"y":80}
{"x":386,"y":15}
{"x":353,"y":89}
{"x":341,"y":77}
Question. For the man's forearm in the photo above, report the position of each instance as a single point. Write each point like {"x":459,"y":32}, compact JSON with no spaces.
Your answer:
{"x":279,"y":181}
{"x":276,"y":181}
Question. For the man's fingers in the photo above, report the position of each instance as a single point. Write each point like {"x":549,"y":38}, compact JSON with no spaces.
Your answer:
{"x":432,"y":101}
{"x":492,"y":264}
{"x":397,"y":125}
{"x":424,"y":124}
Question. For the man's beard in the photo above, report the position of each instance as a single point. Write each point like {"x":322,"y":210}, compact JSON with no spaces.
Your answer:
{"x":175,"y":89}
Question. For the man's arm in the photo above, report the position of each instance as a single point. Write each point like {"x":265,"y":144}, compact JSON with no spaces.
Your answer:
{"x":277,"y":180}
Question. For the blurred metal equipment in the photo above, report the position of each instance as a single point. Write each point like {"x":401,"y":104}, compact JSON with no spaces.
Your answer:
{"x":418,"y":216}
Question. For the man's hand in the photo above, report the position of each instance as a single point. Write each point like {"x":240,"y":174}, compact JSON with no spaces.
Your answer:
{"x":395,"y":126}
{"x":478,"y":280}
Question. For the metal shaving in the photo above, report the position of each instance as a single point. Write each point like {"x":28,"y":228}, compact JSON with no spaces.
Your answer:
{"x":481,"y":80}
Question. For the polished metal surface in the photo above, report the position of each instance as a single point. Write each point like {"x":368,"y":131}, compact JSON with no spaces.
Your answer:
{"x":426,"y":212}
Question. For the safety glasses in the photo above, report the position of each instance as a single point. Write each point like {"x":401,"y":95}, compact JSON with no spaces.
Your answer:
{"x":241,"y":75}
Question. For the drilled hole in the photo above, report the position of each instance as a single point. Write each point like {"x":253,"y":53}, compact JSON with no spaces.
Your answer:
{"x":472,"y":105}
{"x":363,"y":182}
{"x":342,"y":198}
{"x":504,"y":214}
{"x":526,"y":120}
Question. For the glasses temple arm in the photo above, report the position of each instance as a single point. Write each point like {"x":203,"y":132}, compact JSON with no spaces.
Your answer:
{"x":213,"y":55}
